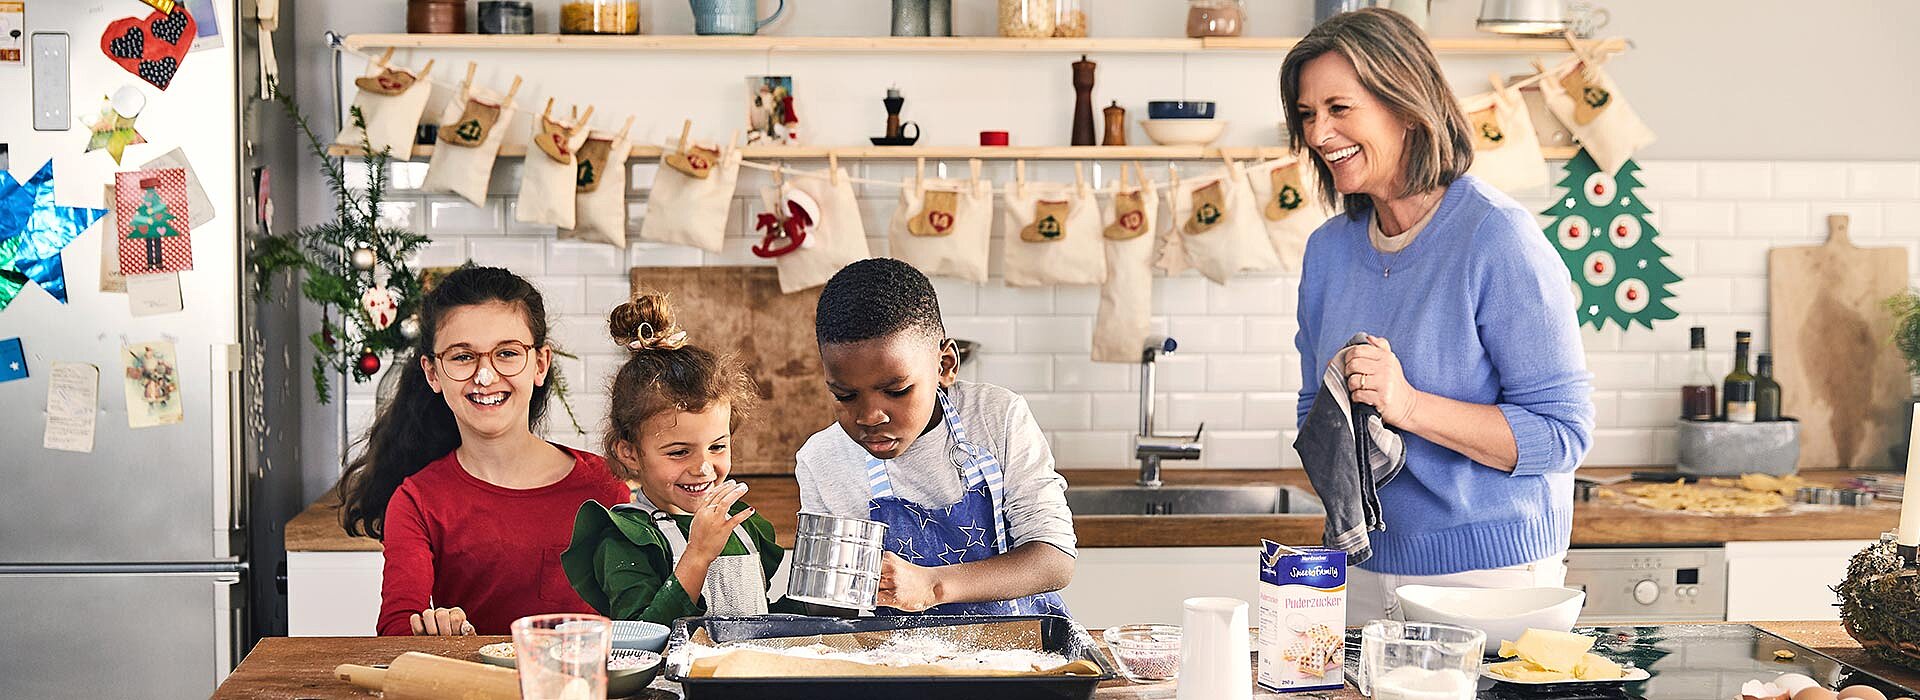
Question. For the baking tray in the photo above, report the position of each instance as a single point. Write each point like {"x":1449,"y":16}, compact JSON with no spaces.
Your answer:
{"x":1058,"y":635}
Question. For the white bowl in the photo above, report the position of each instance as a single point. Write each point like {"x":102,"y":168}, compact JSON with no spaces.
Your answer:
{"x":1502,"y":613}
{"x":1183,"y":132}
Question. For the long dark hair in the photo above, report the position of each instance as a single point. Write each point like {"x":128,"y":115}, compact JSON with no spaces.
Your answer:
{"x":416,"y":427}
{"x":665,"y":372}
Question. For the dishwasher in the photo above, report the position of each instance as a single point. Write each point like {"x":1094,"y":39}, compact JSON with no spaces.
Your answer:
{"x":1650,"y":584}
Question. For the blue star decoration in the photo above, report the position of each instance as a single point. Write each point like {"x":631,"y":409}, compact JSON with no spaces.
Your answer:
{"x":33,"y":230}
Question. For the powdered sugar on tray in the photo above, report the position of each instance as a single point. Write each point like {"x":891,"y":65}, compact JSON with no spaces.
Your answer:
{"x":907,"y":649}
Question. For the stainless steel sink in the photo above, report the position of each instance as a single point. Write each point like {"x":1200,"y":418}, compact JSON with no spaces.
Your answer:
{"x":1191,"y":500}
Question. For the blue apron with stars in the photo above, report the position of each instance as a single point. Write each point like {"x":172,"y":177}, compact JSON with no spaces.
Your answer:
{"x":969,"y":530}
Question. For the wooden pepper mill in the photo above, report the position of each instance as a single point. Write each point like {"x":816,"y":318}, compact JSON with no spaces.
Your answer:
{"x":1083,"y":102}
{"x":1116,"y":125}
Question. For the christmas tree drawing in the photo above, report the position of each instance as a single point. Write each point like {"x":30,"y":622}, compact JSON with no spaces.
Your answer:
{"x":1601,"y":231}
{"x":152,"y":222}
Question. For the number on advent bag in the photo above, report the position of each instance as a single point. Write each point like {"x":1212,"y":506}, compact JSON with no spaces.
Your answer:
{"x":1053,"y":234}
{"x":1290,"y":205}
{"x":1219,"y":223}
{"x":600,"y":189}
{"x":390,"y":100}
{"x":1121,"y":325}
{"x":943,"y":227}
{"x":549,"y":175}
{"x":1506,"y":150}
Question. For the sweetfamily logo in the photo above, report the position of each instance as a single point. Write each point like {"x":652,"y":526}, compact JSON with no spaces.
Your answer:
{"x":1316,"y":567}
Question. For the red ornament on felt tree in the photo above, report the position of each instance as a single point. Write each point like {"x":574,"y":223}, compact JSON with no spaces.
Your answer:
{"x":1622,"y":274}
{"x":367,"y":364}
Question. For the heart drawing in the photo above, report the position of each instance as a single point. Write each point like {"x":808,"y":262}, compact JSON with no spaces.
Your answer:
{"x":151,"y":48}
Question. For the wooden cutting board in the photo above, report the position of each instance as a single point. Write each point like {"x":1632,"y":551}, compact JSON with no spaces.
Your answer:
{"x":741,"y":310}
{"x":1832,"y":343}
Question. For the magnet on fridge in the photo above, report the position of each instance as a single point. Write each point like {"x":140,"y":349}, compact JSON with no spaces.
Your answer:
{"x":13,"y":360}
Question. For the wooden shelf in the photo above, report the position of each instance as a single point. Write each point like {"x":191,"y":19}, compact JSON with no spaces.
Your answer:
{"x":766,"y":153}
{"x":959,"y":44}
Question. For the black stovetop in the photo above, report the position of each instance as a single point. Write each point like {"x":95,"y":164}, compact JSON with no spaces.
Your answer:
{"x":1687,"y":662}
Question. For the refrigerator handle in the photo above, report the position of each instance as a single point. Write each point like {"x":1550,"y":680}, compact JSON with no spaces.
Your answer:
{"x":228,"y":619}
{"x":228,"y":506}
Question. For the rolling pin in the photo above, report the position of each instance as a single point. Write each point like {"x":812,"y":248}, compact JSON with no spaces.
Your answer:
{"x":417,"y":676}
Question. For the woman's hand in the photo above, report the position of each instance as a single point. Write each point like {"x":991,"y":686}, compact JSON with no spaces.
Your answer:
{"x":1374,"y":378}
{"x":441,"y":622}
{"x":906,"y":586}
{"x":711,"y":523}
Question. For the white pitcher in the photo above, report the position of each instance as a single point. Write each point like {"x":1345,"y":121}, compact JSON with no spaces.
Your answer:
{"x":1215,"y":661}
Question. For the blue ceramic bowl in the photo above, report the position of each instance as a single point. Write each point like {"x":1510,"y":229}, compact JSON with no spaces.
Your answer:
{"x":639,"y":635}
{"x":1179,"y":109}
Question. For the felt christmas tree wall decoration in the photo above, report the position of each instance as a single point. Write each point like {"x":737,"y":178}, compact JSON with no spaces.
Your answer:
{"x":1600,"y":228}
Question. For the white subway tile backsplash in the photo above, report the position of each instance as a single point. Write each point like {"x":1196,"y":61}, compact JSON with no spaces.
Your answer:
{"x":1736,"y":179}
{"x":1053,"y":334}
{"x":1884,"y":181}
{"x":527,"y":256}
{"x":1236,"y":367}
{"x":1809,"y":180}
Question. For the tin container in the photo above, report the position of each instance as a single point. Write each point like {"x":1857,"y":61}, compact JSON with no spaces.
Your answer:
{"x":1720,"y":448}
{"x":836,"y":561}
{"x":506,"y":17}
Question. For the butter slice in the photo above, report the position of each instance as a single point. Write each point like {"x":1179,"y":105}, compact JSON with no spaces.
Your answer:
{"x":1523,"y":670}
{"x":1594,"y":667}
{"x":1554,"y":651}
{"x":1507,"y":651}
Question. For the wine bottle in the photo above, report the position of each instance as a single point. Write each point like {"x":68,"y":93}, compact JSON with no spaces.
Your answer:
{"x":1737,"y":389}
{"x":1766,"y":391}
{"x":1697,"y":395}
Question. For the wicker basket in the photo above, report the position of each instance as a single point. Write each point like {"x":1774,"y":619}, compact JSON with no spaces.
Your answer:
{"x":1880,"y":605}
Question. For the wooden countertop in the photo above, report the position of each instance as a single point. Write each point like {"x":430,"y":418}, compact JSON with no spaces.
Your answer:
{"x":302,"y":667}
{"x":1595,"y":523}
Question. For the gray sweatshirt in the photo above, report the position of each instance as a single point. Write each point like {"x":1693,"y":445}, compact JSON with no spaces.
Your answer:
{"x":832,"y":468}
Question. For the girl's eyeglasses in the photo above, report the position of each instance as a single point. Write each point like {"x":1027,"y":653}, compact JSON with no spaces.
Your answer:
{"x":459,"y":363}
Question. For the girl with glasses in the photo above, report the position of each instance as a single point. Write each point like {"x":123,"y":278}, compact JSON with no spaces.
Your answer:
{"x":472,"y":507}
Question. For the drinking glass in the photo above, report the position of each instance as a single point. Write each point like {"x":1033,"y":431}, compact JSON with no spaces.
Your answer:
{"x":562,"y":657}
{"x":1419,"y":660}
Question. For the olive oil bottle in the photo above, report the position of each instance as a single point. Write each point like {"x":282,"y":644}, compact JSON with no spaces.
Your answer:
{"x":1737,"y":390}
{"x":1766,"y":391}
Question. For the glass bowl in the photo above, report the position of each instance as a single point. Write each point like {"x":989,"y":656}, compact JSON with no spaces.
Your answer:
{"x":1146,"y":653}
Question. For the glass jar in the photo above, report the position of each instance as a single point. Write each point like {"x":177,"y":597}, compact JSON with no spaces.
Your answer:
{"x":600,"y":17}
{"x":506,"y":17}
{"x":1070,"y":18}
{"x":1027,"y":19}
{"x":1215,"y":18}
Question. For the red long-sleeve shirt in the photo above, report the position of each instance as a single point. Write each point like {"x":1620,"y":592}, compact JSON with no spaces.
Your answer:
{"x":454,"y":540}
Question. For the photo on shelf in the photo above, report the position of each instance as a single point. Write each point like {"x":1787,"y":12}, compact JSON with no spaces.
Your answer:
{"x":771,"y":119}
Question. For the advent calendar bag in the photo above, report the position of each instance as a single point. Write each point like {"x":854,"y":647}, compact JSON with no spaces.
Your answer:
{"x":943,"y":227}
{"x":1584,"y":98}
{"x":391,"y":100}
{"x":1220,"y":226}
{"x":1121,"y":324}
{"x":828,"y":216}
{"x":1052,"y":235}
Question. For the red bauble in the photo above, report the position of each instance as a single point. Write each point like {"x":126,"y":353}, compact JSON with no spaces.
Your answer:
{"x":367,"y":364}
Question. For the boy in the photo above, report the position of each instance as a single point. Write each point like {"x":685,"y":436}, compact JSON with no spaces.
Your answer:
{"x":977,"y":519}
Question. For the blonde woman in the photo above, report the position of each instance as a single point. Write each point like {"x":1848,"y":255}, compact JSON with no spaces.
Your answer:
{"x":1473,"y":353}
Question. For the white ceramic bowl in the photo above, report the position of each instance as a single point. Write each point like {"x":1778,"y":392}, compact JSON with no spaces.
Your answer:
{"x":1183,"y":132}
{"x":1502,"y":613}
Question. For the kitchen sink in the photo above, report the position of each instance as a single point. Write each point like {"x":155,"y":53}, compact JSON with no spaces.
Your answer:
{"x":1191,"y":500}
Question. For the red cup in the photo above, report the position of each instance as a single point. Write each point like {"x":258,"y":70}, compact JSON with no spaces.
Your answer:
{"x":993,"y":138}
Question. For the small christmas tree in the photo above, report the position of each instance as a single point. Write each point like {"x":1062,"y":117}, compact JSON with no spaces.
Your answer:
{"x":153,"y":222}
{"x":1601,"y":231}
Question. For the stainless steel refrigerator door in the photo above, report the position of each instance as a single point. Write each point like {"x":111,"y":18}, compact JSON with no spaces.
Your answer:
{"x":99,"y":635}
{"x":149,"y":494}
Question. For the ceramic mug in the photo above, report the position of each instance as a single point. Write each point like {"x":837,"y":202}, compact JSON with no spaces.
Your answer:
{"x":731,"y":16}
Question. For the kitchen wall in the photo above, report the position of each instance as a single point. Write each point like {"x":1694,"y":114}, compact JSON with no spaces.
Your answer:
{"x":1725,"y":183}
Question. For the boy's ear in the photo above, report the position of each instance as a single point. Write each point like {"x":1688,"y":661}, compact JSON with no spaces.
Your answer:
{"x":949,"y":362}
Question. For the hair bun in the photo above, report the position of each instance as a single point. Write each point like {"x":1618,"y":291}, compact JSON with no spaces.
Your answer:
{"x":646,"y":323}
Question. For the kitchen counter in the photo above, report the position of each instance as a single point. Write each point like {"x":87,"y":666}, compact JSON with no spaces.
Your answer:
{"x":1595,"y":523}
{"x":302,"y":667}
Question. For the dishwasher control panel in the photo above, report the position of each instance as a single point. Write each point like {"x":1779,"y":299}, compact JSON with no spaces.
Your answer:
{"x":1652,"y":584}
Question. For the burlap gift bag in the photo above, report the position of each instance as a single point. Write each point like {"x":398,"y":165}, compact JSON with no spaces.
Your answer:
{"x":391,"y":100}
{"x":943,"y":227}
{"x":1506,"y":149}
{"x":1052,"y":234}
{"x":1584,"y":98}
{"x":1121,"y":325}
{"x":1218,"y":220}
{"x":1288,"y":194}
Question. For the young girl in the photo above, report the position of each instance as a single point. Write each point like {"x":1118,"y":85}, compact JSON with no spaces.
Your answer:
{"x":688,"y":545}
{"x":959,"y":471}
{"x":470,"y":504}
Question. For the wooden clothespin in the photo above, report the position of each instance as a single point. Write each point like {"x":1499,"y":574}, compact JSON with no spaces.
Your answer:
{"x":384,"y":58}
{"x":424,"y":70}
{"x":623,"y":128}
{"x":833,"y":168}
{"x":686,"y":130}
{"x":511,"y":91}
{"x":919,"y":173}
{"x":466,"y":84}
{"x":1173,"y":175}
{"x":1499,"y":85}
{"x":582,"y":120}
{"x":1121,"y":185}
{"x":1080,"y":177}
{"x":973,"y":164}
{"x":779,"y":179}
{"x":548,"y":111}
{"x":1020,"y":176}
{"x":733,"y":139}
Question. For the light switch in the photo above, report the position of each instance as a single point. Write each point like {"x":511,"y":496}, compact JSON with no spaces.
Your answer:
{"x":52,"y":57}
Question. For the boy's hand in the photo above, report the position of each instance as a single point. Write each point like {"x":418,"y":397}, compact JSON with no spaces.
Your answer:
{"x":711,"y":524}
{"x":905,"y":586}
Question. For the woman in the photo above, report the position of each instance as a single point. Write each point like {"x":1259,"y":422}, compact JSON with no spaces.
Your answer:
{"x":472,"y":507}
{"x":1473,"y":354}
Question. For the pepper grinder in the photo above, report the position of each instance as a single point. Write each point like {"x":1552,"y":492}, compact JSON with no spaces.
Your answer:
{"x":1083,"y":102}
{"x":1116,"y":125}
{"x":893,"y":102}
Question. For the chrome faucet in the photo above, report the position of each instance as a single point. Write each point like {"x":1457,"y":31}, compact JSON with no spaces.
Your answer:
{"x":1151,"y":448}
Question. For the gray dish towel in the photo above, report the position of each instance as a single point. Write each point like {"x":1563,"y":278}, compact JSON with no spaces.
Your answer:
{"x":1349,"y":453}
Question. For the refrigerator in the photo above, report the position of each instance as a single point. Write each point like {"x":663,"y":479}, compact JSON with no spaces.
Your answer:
{"x":149,"y":565}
